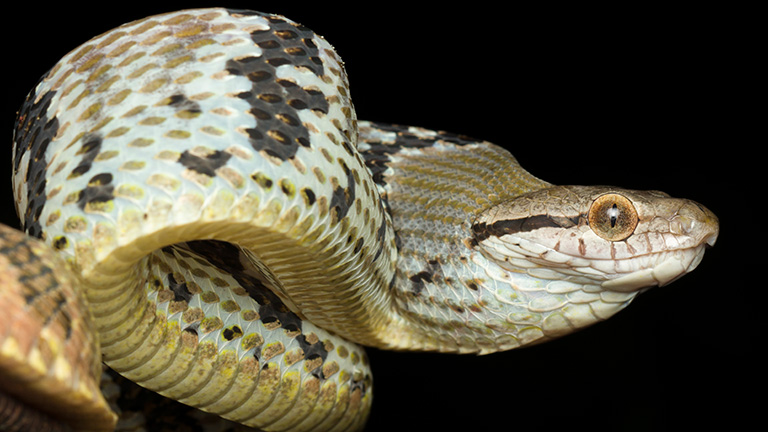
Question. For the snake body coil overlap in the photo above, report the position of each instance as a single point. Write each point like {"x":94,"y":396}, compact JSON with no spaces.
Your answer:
{"x":217,"y":226}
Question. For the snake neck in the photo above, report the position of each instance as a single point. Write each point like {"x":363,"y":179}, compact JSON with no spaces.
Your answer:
{"x":445,"y":291}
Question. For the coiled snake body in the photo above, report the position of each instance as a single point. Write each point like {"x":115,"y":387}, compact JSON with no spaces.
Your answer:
{"x":217,"y":226}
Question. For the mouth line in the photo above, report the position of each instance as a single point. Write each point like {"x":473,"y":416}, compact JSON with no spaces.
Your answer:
{"x":661,"y":274}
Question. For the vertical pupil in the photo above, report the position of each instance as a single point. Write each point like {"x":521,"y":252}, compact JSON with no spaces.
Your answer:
{"x":613,"y":214}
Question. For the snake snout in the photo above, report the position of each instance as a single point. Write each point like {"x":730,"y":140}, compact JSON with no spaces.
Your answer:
{"x":696,"y":221}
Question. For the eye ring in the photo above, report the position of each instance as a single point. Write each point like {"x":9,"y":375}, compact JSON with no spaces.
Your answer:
{"x":613,"y":217}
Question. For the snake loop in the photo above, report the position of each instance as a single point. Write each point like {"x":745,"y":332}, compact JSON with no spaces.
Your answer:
{"x":230,"y":234}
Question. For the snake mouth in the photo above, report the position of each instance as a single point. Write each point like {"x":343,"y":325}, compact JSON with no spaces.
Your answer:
{"x":663,"y":273}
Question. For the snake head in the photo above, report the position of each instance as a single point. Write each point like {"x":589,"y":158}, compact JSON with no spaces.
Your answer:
{"x":615,"y":239}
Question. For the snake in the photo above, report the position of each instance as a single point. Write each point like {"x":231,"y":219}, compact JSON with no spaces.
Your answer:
{"x":204,"y":214}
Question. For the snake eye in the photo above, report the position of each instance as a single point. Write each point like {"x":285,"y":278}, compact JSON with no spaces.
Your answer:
{"x":613,"y":217}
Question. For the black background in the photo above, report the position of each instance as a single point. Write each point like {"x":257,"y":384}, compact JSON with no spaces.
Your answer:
{"x":644,"y":98}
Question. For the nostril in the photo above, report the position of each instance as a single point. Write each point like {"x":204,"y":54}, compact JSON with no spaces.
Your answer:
{"x":682,"y":225}
{"x":695,"y":220}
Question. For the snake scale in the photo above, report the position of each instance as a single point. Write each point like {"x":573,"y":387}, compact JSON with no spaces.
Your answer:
{"x":205,"y":214}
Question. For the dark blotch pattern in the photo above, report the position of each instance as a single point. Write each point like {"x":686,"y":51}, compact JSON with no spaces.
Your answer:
{"x":418,"y":281}
{"x":88,"y":150}
{"x":60,"y":243}
{"x":275,"y":102}
{"x":358,"y":245}
{"x":192,"y":328}
{"x":382,"y":232}
{"x":378,"y":157}
{"x":343,"y":197}
{"x":183,"y":103}
{"x":34,"y":131}
{"x":432,"y":273}
{"x":205,"y":165}
{"x":309,"y":196}
{"x":226,"y":257}
{"x":180,"y":289}
{"x":232,"y":333}
{"x":99,"y":190}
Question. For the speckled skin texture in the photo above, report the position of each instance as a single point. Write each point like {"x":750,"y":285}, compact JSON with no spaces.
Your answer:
{"x":49,"y":355}
{"x":205,"y":175}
